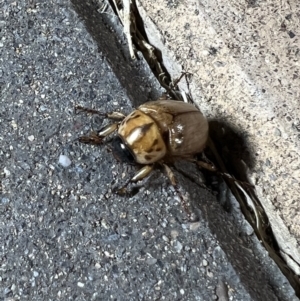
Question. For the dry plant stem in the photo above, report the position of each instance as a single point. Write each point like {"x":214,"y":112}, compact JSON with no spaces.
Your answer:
{"x":128,"y":20}
{"x":125,"y":20}
{"x":118,"y":11}
{"x":126,"y":23}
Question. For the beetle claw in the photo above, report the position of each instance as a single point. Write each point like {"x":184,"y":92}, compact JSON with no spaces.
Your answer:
{"x":93,"y":138}
{"x":120,"y":191}
{"x":123,"y":191}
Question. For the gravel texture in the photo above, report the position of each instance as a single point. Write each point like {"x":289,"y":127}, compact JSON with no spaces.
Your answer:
{"x":63,"y":234}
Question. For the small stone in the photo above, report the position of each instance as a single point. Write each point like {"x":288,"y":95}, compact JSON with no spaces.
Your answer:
{"x":30,"y":138}
{"x":6,"y":172}
{"x":80,"y":284}
{"x":64,"y":161}
{"x":4,"y":201}
{"x":174,"y":234}
{"x":194,"y":226}
{"x":14,"y":125}
{"x":165,"y":238}
{"x":291,"y":34}
{"x":178,"y":246}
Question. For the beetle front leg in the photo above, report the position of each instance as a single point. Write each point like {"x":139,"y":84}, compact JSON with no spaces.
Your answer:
{"x":141,"y":174}
{"x":117,"y":116}
{"x":97,"y":138}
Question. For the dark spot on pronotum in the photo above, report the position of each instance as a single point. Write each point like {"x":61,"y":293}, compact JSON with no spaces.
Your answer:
{"x":146,"y":127}
{"x":155,"y":141}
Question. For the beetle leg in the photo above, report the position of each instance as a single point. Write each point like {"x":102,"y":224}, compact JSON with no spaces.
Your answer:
{"x":141,"y":174}
{"x":108,"y":129}
{"x":79,"y":109}
{"x":172,"y":179}
{"x":117,"y":116}
{"x":170,"y":175}
{"x":225,"y":175}
{"x":205,"y":165}
{"x":97,"y":138}
{"x":93,"y":138}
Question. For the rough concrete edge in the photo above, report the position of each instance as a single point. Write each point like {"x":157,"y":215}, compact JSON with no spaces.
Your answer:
{"x":287,"y":243}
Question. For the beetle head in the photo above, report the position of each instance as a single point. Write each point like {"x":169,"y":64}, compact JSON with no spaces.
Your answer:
{"x":121,"y":152}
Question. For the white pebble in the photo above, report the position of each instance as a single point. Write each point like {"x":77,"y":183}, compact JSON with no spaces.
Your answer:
{"x":165,"y":238}
{"x":14,"y":124}
{"x":174,"y":234}
{"x":80,"y":284}
{"x":178,"y":246}
{"x":64,"y":161}
{"x":194,"y":226}
{"x":30,"y":138}
{"x":6,"y":172}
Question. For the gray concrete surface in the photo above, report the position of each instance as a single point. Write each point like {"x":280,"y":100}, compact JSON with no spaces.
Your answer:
{"x":244,"y":58}
{"x":244,"y":61}
{"x":63,"y":234}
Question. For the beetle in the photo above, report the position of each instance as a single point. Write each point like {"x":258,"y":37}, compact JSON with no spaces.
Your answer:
{"x":157,"y":132}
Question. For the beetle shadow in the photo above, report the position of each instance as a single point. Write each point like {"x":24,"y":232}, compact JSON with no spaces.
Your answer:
{"x":236,"y":153}
{"x":234,"y":148}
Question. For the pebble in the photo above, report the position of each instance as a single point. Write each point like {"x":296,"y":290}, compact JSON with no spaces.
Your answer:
{"x":80,"y":284}
{"x":64,"y":161}
{"x":178,"y":246}
{"x":30,"y":138}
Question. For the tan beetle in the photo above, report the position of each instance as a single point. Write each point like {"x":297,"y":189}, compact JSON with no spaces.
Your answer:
{"x":162,"y":131}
